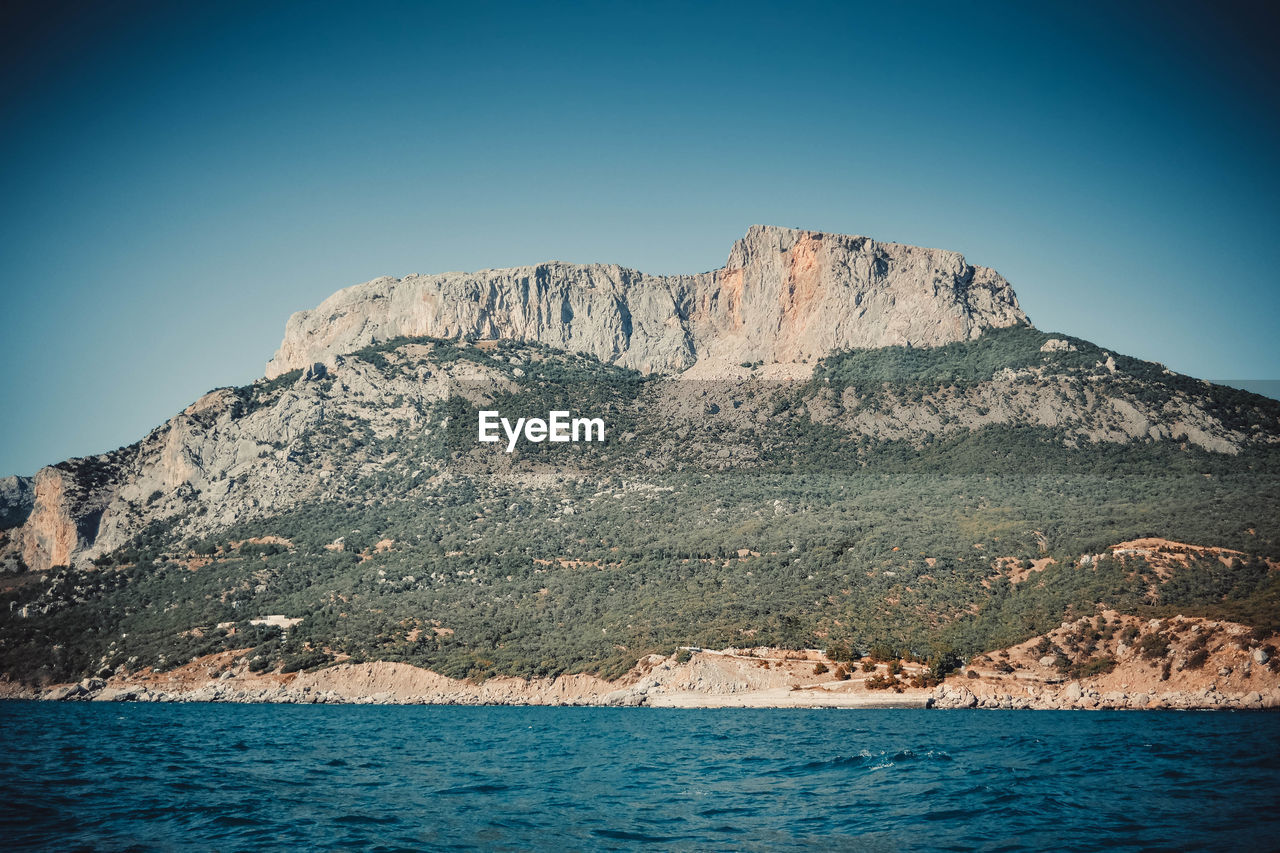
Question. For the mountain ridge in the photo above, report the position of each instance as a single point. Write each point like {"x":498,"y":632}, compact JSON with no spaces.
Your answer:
{"x":783,"y":296}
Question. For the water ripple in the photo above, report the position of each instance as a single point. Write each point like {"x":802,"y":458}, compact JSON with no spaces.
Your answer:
{"x":199,"y":777}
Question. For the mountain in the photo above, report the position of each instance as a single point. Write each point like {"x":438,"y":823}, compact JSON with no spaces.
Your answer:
{"x":940,"y":478}
{"x":784,"y":296}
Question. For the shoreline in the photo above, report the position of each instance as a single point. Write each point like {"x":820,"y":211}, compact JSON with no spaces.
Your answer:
{"x":729,"y":678}
{"x":953,"y":699}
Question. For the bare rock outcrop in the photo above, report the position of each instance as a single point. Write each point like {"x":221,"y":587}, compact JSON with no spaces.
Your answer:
{"x":784,"y":296}
{"x":17,"y":497}
{"x":225,"y":458}
{"x":68,"y":502}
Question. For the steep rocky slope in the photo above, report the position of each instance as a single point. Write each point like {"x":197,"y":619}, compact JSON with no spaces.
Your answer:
{"x":305,"y":437}
{"x":17,"y":497}
{"x":783,"y":296}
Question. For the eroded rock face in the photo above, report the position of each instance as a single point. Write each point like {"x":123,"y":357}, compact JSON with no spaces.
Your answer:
{"x":50,"y":532}
{"x":69,"y":499}
{"x":17,"y":496}
{"x":784,"y":296}
{"x":228,"y":458}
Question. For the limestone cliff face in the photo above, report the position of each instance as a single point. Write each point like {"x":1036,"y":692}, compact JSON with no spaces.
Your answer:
{"x":784,"y":296}
{"x":69,"y":500}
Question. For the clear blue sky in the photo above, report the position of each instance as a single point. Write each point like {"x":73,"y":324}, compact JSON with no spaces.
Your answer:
{"x":178,"y":179}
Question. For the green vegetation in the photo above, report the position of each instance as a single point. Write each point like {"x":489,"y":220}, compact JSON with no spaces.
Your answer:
{"x":1095,"y":666}
{"x":747,"y":523}
{"x":1019,"y":348}
{"x":962,"y":363}
{"x":1154,"y":646}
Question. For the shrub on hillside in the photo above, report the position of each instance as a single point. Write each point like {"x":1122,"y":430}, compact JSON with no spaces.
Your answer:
{"x":1197,"y":659}
{"x":1153,"y":646}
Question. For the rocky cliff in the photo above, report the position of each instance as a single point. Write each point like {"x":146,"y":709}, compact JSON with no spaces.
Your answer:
{"x":16,"y":499}
{"x":784,"y":296}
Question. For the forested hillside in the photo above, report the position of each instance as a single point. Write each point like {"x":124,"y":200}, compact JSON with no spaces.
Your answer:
{"x":943,"y":501}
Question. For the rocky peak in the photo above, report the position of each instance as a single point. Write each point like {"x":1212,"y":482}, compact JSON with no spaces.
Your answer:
{"x":16,"y":499}
{"x":784,"y":296}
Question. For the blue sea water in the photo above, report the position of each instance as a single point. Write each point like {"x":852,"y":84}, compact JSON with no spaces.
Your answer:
{"x":263,"y":777}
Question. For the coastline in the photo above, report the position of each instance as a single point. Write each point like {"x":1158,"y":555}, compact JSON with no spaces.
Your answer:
{"x":729,"y":678}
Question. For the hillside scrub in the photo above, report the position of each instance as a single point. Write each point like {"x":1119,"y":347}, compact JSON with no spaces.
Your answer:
{"x":712,"y":516}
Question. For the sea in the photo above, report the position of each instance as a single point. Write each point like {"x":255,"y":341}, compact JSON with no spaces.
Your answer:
{"x":228,"y":777}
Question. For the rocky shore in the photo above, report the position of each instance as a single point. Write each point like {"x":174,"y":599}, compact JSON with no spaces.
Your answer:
{"x":1201,"y":664}
{"x":1075,"y":696}
{"x":952,"y":694}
